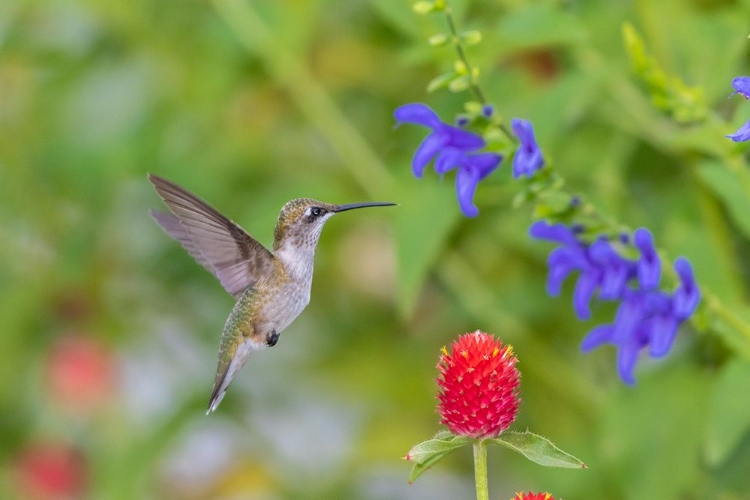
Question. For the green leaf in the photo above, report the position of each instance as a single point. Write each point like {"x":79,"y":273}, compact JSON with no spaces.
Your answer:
{"x":472,"y":37}
{"x":424,"y":7}
{"x":538,"y":449}
{"x":459,"y":84}
{"x":730,"y":190}
{"x":668,"y":93}
{"x":439,"y":40}
{"x":729,"y":415}
{"x":551,"y":204}
{"x":428,"y":453}
{"x":440,"y":81}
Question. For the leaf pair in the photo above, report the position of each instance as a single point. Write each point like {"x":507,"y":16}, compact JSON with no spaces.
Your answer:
{"x":533,"y":446}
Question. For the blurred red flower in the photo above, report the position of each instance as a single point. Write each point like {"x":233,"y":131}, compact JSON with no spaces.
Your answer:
{"x":478,"y":386}
{"x":80,"y":373}
{"x":533,"y":496}
{"x":50,"y":471}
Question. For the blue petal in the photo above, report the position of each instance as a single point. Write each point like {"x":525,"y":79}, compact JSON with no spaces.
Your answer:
{"x":627,"y":357}
{"x":417,"y":113}
{"x":430,"y":146}
{"x":649,"y":264}
{"x":462,"y":139}
{"x":584,"y":290}
{"x":628,"y":317}
{"x":528,"y":157}
{"x":562,"y":261}
{"x":614,"y":268}
{"x":598,"y":336}
{"x":742,"y":86}
{"x":483,"y":163}
{"x":448,"y":159}
{"x":688,"y":295}
{"x":743,"y":134}
{"x":466,"y":185}
{"x":662,"y":331}
{"x":559,"y":233}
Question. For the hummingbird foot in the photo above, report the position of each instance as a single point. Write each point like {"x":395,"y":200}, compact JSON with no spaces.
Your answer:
{"x":272,"y":338}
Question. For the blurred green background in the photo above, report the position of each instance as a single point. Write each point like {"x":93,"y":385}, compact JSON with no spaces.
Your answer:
{"x":109,"y":330}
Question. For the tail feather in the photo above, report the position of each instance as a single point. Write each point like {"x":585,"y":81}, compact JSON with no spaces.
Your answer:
{"x":227,"y":371}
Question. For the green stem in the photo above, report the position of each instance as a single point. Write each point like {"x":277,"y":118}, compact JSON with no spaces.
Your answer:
{"x":725,"y":313}
{"x":480,"y":469}
{"x":462,"y":55}
{"x":465,"y":60}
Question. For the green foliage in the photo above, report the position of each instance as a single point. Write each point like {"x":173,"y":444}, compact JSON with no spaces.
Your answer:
{"x":253,"y":103}
{"x":669,"y":93}
{"x":538,"y":449}
{"x":428,"y":453}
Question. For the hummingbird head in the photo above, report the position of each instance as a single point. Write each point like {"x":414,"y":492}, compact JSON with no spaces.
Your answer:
{"x":301,"y":220}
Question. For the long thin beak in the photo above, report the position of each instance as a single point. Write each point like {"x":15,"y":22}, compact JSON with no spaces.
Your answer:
{"x":352,"y":206}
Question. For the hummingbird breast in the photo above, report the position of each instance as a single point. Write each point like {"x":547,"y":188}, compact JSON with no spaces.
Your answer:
{"x":282,"y":303}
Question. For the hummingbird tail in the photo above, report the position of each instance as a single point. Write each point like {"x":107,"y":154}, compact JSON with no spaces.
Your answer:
{"x":227,"y":371}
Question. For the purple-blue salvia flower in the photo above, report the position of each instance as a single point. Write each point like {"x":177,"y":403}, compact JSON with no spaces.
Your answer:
{"x":444,"y":138}
{"x":471,"y":170}
{"x":741,"y":86}
{"x":649,"y":265}
{"x":528,"y":158}
{"x":647,"y":316}
{"x":687,"y":296}
{"x":451,"y":148}
{"x":742,"y":135}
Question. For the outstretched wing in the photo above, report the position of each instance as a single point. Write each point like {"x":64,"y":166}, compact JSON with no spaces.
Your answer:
{"x":215,"y":242}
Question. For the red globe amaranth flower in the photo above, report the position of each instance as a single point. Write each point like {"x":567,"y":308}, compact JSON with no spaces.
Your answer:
{"x":50,"y":471}
{"x":533,"y":496}
{"x":478,"y":386}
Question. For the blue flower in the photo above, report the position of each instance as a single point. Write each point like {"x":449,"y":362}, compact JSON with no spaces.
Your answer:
{"x":741,"y":86}
{"x":451,"y":147}
{"x":528,"y":158}
{"x":646,"y":317}
{"x":742,"y":134}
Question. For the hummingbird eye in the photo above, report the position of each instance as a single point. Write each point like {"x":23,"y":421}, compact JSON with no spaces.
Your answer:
{"x":316,"y":211}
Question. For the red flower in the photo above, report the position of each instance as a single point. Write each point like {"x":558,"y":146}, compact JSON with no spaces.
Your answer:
{"x":50,"y":471}
{"x":80,"y":373}
{"x":478,"y":386}
{"x":533,"y":496}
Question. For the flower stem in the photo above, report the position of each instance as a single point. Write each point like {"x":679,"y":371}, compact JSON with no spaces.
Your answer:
{"x":480,"y":469}
{"x":465,"y":60}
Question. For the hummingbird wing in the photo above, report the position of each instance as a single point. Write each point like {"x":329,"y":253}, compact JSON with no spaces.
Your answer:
{"x":218,"y":244}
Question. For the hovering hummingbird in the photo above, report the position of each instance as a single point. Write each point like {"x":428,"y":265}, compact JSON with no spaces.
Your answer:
{"x":271,"y":288}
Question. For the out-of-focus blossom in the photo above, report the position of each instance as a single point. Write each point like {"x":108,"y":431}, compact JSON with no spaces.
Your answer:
{"x":478,"y":386}
{"x":50,"y":471}
{"x":646,"y":317}
{"x":80,"y":373}
{"x":742,"y":134}
{"x":528,"y":157}
{"x":451,"y":148}
{"x":741,"y":86}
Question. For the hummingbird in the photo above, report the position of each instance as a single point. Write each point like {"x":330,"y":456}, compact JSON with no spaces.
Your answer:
{"x":271,"y":287}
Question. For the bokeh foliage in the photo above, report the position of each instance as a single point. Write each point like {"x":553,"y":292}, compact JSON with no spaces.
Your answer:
{"x":250,"y":104}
